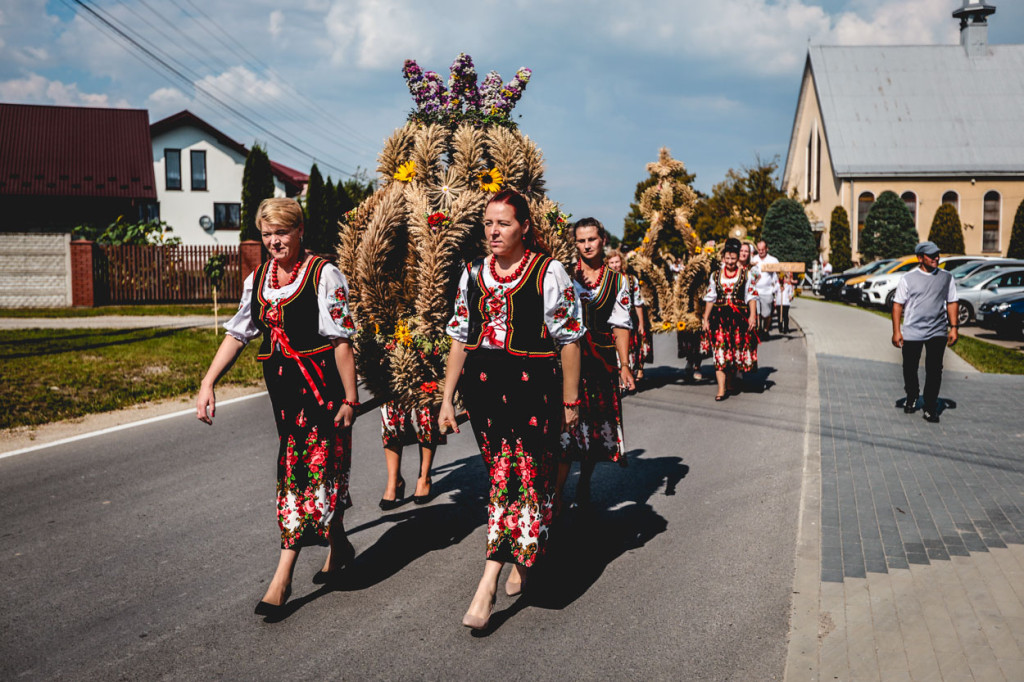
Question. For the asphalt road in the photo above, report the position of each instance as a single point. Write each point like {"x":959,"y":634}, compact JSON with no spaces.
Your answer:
{"x":140,"y":554}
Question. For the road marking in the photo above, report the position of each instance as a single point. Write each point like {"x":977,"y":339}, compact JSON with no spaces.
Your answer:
{"x":122,"y":427}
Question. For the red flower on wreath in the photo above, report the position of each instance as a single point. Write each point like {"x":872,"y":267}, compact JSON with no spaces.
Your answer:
{"x":436,"y":220}
{"x":429,"y":386}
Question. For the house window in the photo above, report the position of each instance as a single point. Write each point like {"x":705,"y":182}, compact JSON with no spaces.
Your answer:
{"x":227,"y":216}
{"x":149,"y":211}
{"x":198,"y":169}
{"x":910,"y":199}
{"x":864,"y":204}
{"x":817,"y":166}
{"x":990,"y":223}
{"x":809,"y":178}
{"x":952,"y":198}
{"x":172,"y":168}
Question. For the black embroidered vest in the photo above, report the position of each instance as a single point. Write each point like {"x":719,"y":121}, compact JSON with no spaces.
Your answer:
{"x":297,"y":315}
{"x":527,"y":333}
{"x":598,"y":309}
{"x":737,"y":295}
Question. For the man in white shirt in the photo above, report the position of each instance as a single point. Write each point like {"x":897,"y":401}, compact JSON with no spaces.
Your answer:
{"x":925,"y":303}
{"x":765,"y":286}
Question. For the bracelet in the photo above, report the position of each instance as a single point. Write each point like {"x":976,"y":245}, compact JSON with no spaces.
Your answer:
{"x":351,"y":403}
{"x":954,"y":326}
{"x":575,"y":403}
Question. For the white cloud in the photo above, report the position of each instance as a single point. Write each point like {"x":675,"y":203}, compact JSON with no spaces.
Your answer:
{"x":163,"y":102}
{"x":240,"y":85}
{"x":275,"y":23}
{"x":377,"y":34}
{"x":36,"y":89}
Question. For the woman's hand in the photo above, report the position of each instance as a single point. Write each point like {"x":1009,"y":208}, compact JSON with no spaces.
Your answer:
{"x":206,"y":404}
{"x":446,"y":418}
{"x":705,"y":325}
{"x":346,"y":416}
{"x":570,"y":418}
{"x":752,"y":322}
{"x":626,"y":379}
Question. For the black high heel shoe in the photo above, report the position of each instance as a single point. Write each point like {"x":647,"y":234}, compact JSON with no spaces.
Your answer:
{"x":388,"y":505}
{"x":423,"y":499}
{"x":264,"y":608}
{"x":345,"y":556}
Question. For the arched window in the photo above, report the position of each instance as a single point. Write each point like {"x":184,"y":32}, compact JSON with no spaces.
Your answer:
{"x":952,"y":198}
{"x":910,"y":199}
{"x":990,"y":223}
{"x":864,"y":204}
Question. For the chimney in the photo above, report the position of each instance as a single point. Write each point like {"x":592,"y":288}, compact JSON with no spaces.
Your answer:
{"x":974,"y":26}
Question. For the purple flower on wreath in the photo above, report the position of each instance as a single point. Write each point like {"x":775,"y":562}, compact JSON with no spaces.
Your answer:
{"x":427,"y":89}
{"x":462,"y":89}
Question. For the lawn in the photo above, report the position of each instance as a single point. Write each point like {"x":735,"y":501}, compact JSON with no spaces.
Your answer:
{"x":176,"y":310}
{"x":47,"y":375}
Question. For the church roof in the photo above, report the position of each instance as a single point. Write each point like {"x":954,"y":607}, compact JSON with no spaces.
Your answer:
{"x":921,"y":110}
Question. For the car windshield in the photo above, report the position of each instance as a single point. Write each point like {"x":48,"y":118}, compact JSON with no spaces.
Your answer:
{"x":975,"y":280}
{"x":962,"y":271}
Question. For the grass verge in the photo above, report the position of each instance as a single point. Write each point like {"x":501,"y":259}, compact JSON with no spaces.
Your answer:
{"x":48,"y":375}
{"x":981,"y":355}
{"x":225,"y":310}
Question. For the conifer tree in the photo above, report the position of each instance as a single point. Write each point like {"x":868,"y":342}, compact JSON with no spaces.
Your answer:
{"x":257,"y":185}
{"x":331,"y":216}
{"x":888,"y":229}
{"x":946,"y":230}
{"x":839,"y":240}
{"x":315,"y":219}
{"x":787,"y":231}
{"x":1016,"y":248}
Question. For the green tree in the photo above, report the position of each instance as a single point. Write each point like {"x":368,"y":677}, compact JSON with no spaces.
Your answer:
{"x":1016,"y":248}
{"x":787,"y":231}
{"x":946,"y":231}
{"x":839,"y":240}
{"x":315,"y":239}
{"x":257,"y":185}
{"x":888,"y":229}
{"x":355,"y":190}
{"x":635,"y":225}
{"x":331,"y":213}
{"x":743,"y":198}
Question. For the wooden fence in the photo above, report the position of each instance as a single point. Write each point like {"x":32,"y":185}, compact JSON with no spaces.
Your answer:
{"x":163,"y":274}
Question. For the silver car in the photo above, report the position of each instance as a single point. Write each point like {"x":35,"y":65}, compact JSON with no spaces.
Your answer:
{"x":983,"y":286}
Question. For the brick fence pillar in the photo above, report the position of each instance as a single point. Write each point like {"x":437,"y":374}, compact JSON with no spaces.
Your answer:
{"x":250,"y":255}
{"x":83,"y":291}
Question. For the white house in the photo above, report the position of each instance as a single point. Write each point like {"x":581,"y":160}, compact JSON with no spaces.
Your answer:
{"x":199,"y":179}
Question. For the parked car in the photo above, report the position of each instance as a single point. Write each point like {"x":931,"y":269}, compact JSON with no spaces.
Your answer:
{"x":968,"y":269}
{"x":853,"y":291}
{"x":1004,"y":315}
{"x":950,"y":262}
{"x":984,"y":286}
{"x":878,"y":290}
{"x":831,"y":286}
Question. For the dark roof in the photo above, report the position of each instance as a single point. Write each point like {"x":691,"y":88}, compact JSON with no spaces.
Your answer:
{"x":75,"y":152}
{"x":288,"y":176}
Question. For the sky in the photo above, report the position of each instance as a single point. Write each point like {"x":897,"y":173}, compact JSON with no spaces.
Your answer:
{"x":613,"y":81}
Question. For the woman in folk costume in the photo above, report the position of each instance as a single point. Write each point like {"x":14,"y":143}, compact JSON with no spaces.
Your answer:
{"x":516,"y":313}
{"x":298,"y":302}
{"x":730,"y":320}
{"x":604,"y":369}
{"x":399,"y":427}
{"x":639,"y":340}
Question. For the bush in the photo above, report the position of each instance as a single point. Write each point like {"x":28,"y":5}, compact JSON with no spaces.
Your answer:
{"x":787,"y":231}
{"x":1016,"y":248}
{"x":257,"y":185}
{"x":315,"y":238}
{"x":888,"y":229}
{"x":946,"y":230}
{"x":840,"y":254}
{"x":124,"y":233}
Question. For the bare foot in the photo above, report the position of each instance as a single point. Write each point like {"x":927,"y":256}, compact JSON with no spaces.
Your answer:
{"x":276,"y":593}
{"x":423,"y":486}
{"x":516,"y":580}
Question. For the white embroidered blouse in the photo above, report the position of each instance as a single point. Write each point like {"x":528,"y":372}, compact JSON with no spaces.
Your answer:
{"x":563,"y":314}
{"x":730,"y":282}
{"x":619,"y":316}
{"x":334,"y":321}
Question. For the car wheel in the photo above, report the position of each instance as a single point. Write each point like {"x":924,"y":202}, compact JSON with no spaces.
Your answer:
{"x":964,"y":314}
{"x":888,"y":299}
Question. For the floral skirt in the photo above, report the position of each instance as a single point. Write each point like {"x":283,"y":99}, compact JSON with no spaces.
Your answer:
{"x":403,"y":427}
{"x":598,"y":435}
{"x":314,"y":456}
{"x":515,"y":411}
{"x":688,"y":346}
{"x":729,"y":341}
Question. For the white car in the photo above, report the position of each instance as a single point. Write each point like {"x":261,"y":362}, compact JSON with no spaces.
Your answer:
{"x":879,"y":289}
{"x":984,"y":286}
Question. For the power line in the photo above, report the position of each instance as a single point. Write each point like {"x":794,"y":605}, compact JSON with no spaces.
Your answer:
{"x":177,"y":73}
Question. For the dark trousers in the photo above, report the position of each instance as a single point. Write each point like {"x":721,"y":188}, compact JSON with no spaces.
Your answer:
{"x":783,"y":318}
{"x":932,"y":369}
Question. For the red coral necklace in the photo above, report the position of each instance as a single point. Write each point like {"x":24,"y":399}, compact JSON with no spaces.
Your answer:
{"x":582,"y":278}
{"x":515,"y":275}
{"x":295,"y":271}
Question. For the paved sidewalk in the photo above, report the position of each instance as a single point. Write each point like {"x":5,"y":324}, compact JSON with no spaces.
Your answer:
{"x":910,"y":562}
{"x":112,"y":322}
